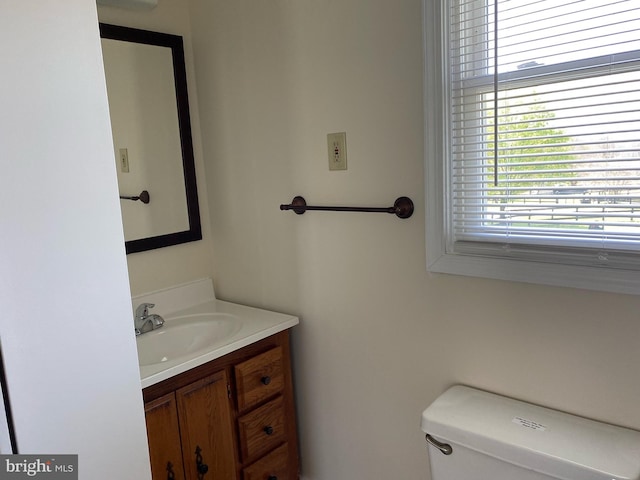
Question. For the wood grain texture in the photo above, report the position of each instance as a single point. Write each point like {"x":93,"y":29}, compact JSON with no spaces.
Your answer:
{"x":259,"y":378}
{"x":163,"y":435}
{"x":262,"y":429}
{"x":206,"y":422}
{"x":276,"y":464}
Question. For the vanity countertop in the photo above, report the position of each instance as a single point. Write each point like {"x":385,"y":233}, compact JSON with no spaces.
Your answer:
{"x":254,"y":325}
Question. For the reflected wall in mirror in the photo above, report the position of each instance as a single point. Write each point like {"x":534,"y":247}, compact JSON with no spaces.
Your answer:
{"x":149,"y":108}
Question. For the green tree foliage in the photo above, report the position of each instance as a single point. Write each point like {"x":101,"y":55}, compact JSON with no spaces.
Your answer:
{"x":532,"y":154}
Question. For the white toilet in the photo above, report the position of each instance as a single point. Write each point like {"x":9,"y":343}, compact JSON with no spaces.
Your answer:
{"x":475,"y":435}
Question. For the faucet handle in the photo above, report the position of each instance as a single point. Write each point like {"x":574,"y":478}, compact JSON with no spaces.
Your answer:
{"x":143,"y":309}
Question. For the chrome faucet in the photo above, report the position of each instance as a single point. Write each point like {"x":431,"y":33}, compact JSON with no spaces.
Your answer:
{"x":145,"y":322}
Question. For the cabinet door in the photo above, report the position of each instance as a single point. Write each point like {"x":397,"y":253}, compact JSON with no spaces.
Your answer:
{"x":163,"y":436}
{"x":206,"y":429}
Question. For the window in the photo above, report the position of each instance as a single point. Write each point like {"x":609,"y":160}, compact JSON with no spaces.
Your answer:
{"x":533,"y":140}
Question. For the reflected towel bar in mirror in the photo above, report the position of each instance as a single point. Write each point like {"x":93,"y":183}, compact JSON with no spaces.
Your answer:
{"x":143,"y":197}
{"x":402,"y":207}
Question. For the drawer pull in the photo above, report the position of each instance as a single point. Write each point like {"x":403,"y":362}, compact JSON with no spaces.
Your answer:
{"x":268,"y":430}
{"x":266,"y":380}
{"x":272,"y":477}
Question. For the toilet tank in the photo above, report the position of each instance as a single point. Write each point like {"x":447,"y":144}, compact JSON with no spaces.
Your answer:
{"x":497,"y":438}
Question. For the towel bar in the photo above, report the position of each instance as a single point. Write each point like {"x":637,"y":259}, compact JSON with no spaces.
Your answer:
{"x":402,"y":207}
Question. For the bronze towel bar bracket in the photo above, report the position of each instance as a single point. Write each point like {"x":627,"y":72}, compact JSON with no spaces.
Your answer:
{"x":402,"y":207}
{"x":143,"y":197}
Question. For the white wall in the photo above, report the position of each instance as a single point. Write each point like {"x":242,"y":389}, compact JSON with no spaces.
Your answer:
{"x":65,"y":327}
{"x":379,"y":337}
{"x":169,"y":266}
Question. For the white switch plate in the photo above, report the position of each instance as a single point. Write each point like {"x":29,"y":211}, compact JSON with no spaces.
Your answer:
{"x":124,"y":160}
{"x":337,"y":146}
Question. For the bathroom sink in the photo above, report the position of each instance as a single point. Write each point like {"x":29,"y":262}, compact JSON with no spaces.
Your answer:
{"x":185,"y":336}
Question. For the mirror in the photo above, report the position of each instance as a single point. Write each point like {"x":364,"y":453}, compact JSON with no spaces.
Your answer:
{"x":149,"y":108}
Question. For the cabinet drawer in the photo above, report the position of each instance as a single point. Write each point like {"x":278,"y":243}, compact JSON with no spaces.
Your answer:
{"x":274,"y":466}
{"x":259,"y":378}
{"x":262,"y":429}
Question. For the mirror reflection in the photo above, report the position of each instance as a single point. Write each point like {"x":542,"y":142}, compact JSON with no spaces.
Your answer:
{"x":146,"y":87}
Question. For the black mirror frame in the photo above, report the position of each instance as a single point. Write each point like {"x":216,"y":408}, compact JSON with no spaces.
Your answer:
{"x":174,"y":42}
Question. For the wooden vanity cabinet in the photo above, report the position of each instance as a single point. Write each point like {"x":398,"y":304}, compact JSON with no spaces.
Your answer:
{"x":163,"y":434}
{"x":237,"y":411}
{"x":190,"y":431}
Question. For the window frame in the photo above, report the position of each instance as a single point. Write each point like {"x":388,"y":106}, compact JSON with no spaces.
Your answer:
{"x":440,"y":257}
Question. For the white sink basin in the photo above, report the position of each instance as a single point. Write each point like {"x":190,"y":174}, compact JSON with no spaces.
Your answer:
{"x":185,"y":336}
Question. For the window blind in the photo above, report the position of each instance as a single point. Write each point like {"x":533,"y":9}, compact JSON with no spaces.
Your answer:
{"x":544,"y":129}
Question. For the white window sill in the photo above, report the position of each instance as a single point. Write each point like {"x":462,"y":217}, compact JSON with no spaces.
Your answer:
{"x":591,"y":278}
